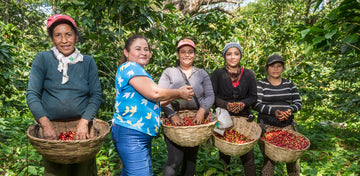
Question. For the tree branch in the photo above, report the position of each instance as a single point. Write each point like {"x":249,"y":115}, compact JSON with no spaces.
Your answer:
{"x":351,"y":45}
{"x":203,"y":10}
{"x":206,"y":2}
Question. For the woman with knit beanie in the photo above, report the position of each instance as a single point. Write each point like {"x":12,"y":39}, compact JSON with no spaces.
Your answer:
{"x":233,"y":83}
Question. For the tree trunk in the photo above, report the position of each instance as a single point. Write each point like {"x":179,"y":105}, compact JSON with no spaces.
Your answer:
{"x":6,"y":16}
{"x":54,"y":6}
{"x":119,"y":29}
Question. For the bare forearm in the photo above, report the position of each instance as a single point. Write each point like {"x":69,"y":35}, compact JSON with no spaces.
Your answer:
{"x":167,"y":95}
{"x":157,"y":93}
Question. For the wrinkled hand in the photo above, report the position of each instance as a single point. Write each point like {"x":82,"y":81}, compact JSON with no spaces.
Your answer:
{"x":187,"y":92}
{"x":48,"y":129}
{"x":176,"y":120}
{"x":235,"y":107}
{"x":82,"y":130}
{"x":199,"y":117}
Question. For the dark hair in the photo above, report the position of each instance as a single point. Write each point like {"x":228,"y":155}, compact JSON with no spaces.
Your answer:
{"x":129,"y":42}
{"x":52,"y":27}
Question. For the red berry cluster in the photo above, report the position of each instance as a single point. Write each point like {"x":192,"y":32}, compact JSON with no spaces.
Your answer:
{"x":234,"y":136}
{"x":286,"y":140}
{"x":236,"y":107}
{"x":65,"y":136}
{"x":187,"y":122}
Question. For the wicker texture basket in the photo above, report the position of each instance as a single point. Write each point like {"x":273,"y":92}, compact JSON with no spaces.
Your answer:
{"x":189,"y":136}
{"x":72,"y":151}
{"x":249,"y":129}
{"x":280,"y":154}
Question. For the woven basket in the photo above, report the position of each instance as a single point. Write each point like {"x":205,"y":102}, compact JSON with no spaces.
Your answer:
{"x":72,"y":151}
{"x":189,"y":136}
{"x":249,"y":129}
{"x":280,"y":154}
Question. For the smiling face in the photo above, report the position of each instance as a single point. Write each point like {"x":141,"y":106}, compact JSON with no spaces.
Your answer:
{"x":139,"y":52}
{"x":274,"y":70}
{"x":186,"y":55}
{"x":64,"y":39}
{"x":233,"y":57}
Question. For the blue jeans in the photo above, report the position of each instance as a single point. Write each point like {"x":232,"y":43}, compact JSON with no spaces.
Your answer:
{"x":134,"y":149}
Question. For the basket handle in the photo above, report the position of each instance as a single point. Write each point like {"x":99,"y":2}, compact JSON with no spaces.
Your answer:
{"x":38,"y":131}
{"x":262,"y":126}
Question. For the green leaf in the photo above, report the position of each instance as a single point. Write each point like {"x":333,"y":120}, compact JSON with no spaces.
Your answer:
{"x":329,"y":35}
{"x":318,"y":39}
{"x":308,"y":50}
{"x":210,"y":171}
{"x":305,"y":32}
{"x":32,"y":170}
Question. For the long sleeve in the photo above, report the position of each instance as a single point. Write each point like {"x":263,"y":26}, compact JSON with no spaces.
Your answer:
{"x":200,"y":81}
{"x":35,"y":87}
{"x":251,"y":97}
{"x":165,"y":82}
{"x":215,"y":79}
{"x":80,"y":97}
{"x":296,"y":103}
{"x":260,"y":106}
{"x":207,"y":98}
{"x":225,"y":92}
{"x":95,"y":95}
{"x":282,"y":97}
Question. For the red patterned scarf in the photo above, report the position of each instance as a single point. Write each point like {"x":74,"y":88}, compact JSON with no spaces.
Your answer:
{"x":233,"y":75}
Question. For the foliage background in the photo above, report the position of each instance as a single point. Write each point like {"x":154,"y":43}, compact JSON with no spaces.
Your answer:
{"x":319,"y":41}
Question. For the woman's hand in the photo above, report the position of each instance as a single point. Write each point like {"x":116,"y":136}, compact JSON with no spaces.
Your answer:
{"x":176,"y":120}
{"x":235,"y":107}
{"x":288,"y":113}
{"x":280,"y":115}
{"x":230,"y":107}
{"x":199,"y":117}
{"x":48,"y":129}
{"x":187,"y":92}
{"x":82,"y":130}
{"x":241,"y":106}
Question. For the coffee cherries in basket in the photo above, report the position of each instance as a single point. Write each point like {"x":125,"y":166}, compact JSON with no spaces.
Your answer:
{"x":286,"y":139}
{"x":234,"y":136}
{"x":188,"y":122}
{"x":65,"y":136}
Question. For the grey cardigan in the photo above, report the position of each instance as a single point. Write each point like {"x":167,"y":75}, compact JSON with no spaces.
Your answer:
{"x":200,"y":81}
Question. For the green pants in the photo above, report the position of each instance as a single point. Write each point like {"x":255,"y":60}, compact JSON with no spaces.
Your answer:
{"x":86,"y":168}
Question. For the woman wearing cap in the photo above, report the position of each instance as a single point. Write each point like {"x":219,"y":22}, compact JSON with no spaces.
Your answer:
{"x":235,"y":84}
{"x":185,"y":73}
{"x":278,"y":100}
{"x":137,"y":107}
{"x":64,"y":85}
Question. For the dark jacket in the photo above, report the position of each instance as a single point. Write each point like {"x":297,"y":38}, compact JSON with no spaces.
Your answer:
{"x":225,"y":92}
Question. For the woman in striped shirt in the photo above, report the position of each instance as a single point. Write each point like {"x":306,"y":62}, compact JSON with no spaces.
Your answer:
{"x":278,"y":100}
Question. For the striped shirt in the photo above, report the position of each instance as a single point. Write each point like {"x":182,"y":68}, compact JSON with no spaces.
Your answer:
{"x":270,"y":98}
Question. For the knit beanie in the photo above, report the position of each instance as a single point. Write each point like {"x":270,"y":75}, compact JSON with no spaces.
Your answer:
{"x":230,"y":45}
